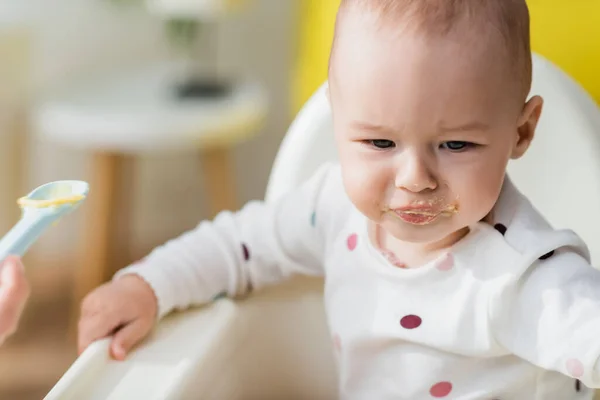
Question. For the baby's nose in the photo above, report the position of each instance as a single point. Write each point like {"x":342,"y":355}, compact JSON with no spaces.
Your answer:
{"x":414,"y":175}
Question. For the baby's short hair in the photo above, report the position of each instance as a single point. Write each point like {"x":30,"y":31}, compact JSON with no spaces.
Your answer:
{"x":507,"y":18}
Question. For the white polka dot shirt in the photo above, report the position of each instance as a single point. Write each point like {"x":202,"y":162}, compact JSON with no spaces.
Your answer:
{"x":512,"y":311}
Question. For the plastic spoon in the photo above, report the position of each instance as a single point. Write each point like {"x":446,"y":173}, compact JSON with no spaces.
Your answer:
{"x":40,"y":209}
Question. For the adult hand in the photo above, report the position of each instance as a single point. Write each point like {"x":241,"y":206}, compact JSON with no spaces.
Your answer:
{"x":14,"y":292}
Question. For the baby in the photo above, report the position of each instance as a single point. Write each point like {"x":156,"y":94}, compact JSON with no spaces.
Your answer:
{"x":441,"y":279}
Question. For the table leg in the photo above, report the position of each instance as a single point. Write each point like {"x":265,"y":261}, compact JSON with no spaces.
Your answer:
{"x":217,"y":166}
{"x":94,"y":258}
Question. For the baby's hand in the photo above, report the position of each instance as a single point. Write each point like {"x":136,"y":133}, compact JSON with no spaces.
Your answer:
{"x":125,"y":308}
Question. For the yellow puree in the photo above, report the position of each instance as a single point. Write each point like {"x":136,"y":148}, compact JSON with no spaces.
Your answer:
{"x":58,"y":201}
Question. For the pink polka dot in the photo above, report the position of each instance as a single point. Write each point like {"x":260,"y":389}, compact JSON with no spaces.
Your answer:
{"x":441,"y":389}
{"x":411,"y":322}
{"x":352,"y":241}
{"x":575,"y":368}
{"x":446,"y":263}
{"x":392,"y":259}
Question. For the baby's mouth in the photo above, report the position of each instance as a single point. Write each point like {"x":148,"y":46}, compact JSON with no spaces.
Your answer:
{"x":423,"y":215}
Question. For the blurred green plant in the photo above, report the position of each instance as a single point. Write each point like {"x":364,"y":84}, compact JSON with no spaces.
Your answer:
{"x":181,"y":32}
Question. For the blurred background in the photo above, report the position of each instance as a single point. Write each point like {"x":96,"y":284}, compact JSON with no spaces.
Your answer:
{"x":172,"y":110}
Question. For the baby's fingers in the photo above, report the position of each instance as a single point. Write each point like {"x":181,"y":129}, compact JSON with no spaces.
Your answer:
{"x":129,"y":336}
{"x":93,"y":328}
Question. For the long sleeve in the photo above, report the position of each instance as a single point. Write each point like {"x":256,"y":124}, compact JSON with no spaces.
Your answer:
{"x":262,"y":244}
{"x":551,"y":316}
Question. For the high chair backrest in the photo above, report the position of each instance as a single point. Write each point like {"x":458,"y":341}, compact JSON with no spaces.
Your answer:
{"x":560,"y":173}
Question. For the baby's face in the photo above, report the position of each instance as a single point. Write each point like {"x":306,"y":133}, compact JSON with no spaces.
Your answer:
{"x":424,"y":130}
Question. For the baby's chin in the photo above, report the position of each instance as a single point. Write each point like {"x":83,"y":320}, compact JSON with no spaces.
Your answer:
{"x":433,"y":232}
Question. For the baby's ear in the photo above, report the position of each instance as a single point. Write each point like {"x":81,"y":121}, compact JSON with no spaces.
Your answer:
{"x":527,"y":125}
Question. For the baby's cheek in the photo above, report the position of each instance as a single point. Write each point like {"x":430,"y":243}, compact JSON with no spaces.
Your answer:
{"x":474,"y":205}
{"x":366,"y":192}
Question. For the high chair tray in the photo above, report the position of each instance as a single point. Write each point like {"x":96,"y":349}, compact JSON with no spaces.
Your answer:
{"x":274,"y":344}
{"x":160,"y":368}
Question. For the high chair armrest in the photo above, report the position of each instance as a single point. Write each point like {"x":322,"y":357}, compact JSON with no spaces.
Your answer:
{"x":183,"y":347}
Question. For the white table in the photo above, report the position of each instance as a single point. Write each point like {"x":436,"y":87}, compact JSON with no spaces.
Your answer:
{"x":140,"y":113}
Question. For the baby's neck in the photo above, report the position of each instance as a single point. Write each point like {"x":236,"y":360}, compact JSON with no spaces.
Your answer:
{"x":414,"y":255}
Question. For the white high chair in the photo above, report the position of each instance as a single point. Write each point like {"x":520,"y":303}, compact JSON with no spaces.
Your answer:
{"x":275,"y":344}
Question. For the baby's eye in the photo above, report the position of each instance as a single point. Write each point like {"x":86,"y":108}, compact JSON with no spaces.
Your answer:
{"x":456,"y":146}
{"x":382,"y":144}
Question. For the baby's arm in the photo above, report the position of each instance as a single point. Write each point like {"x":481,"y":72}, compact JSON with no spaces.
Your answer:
{"x":259,"y":245}
{"x":551,"y":317}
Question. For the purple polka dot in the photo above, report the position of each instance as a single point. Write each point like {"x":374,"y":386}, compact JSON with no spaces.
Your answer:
{"x":547,"y":255}
{"x":575,"y":368}
{"x":352,"y":241}
{"x":441,"y":389}
{"x":446,"y":263}
{"x":411,"y":322}
{"x":500,"y":228}
{"x":246,"y":252}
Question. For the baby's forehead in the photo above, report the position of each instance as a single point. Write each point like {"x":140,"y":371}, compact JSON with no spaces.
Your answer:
{"x":500,"y":26}
{"x":418,"y":80}
{"x":442,"y":16}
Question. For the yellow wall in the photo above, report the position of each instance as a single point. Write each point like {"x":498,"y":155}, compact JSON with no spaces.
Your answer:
{"x":316,"y":34}
{"x":568,"y":33}
{"x":565,"y":31}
